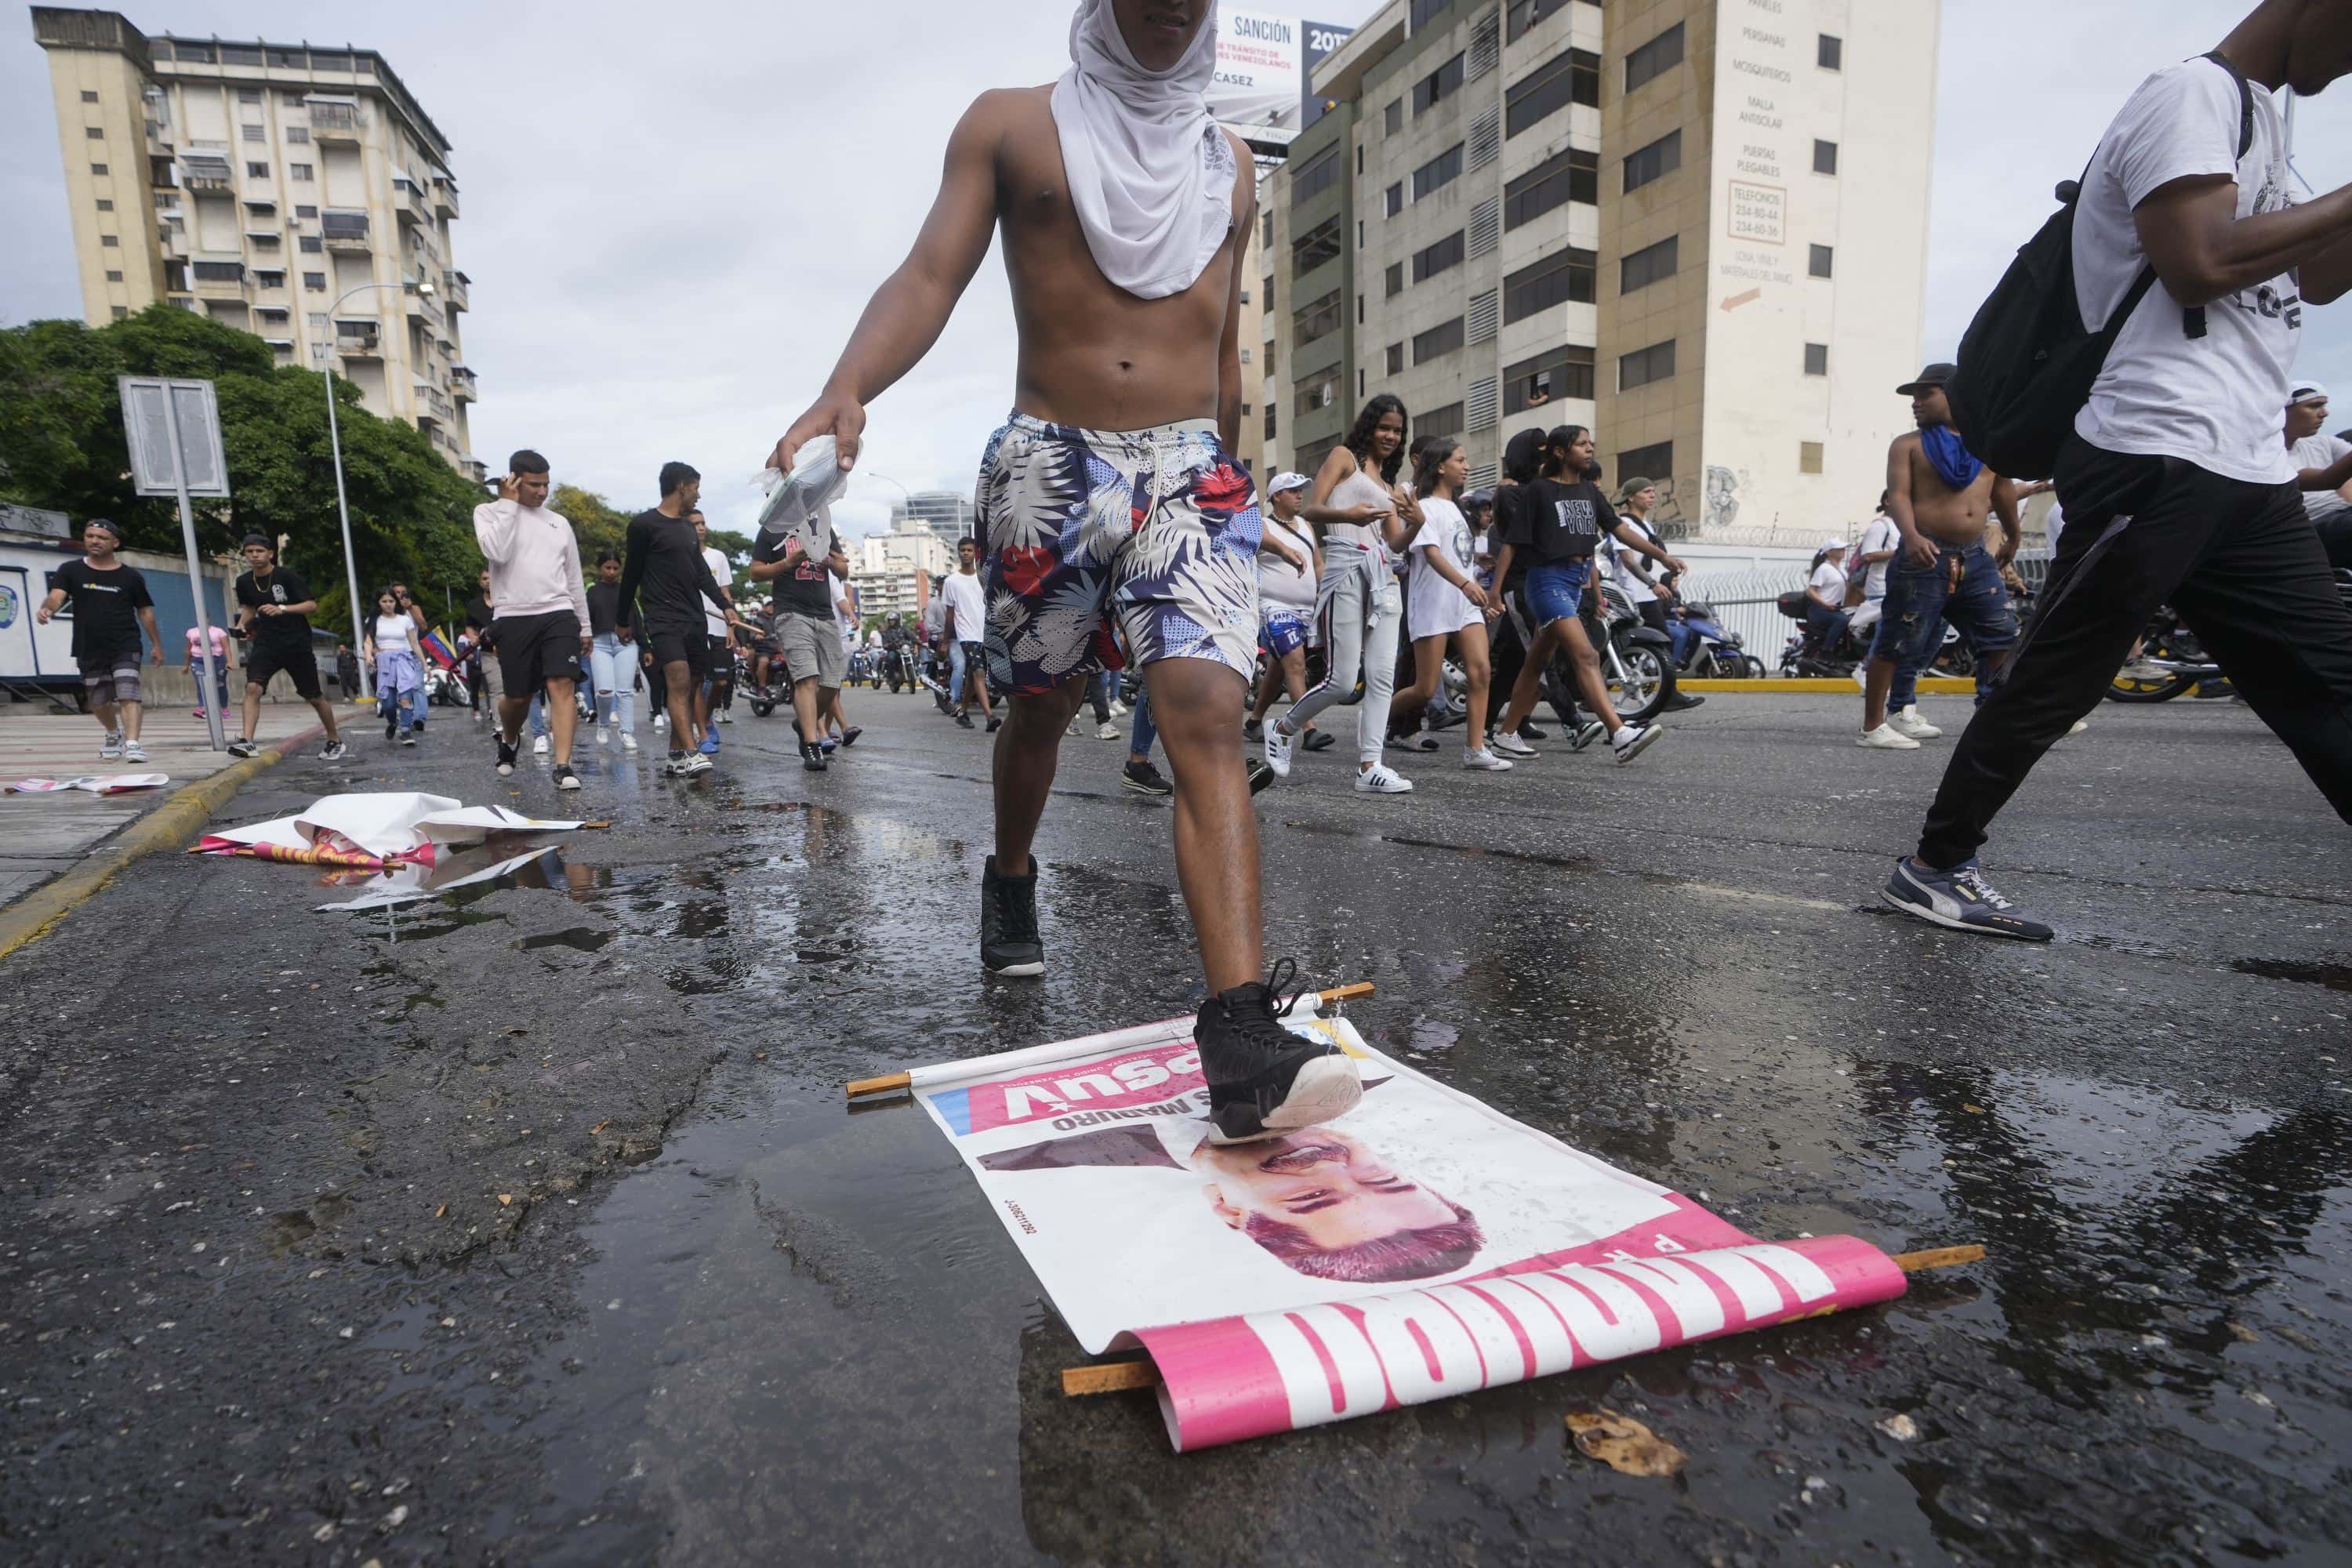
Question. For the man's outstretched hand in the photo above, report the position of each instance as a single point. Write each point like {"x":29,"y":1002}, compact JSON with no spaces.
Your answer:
{"x":842,"y":417}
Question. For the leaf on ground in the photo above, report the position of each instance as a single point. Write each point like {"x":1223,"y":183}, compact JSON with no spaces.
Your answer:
{"x":441,"y":1213}
{"x":506,"y":1198}
{"x":1623,"y":1444}
{"x":600,"y":1127}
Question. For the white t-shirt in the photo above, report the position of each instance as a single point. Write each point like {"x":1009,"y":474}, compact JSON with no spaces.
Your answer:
{"x":1829,"y":583}
{"x":2320,"y":451}
{"x":965,"y":601}
{"x":395,"y":633}
{"x":2053,"y":523}
{"x":1619,"y":561}
{"x":1280,"y":583}
{"x":1435,"y":607}
{"x":2213,"y":400}
{"x":1879,"y":533}
{"x":722,"y":571}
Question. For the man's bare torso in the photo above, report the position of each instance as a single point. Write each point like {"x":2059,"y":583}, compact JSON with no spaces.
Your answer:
{"x":1947,"y":516}
{"x":1092,"y":355}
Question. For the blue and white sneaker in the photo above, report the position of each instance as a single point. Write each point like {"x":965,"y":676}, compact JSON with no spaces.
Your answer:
{"x":1960,"y":899}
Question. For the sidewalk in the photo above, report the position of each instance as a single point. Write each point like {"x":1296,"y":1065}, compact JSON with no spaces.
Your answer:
{"x":47,"y":835}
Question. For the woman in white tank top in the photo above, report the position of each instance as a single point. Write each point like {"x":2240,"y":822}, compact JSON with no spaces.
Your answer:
{"x":399,"y":677}
{"x":1364,"y":517}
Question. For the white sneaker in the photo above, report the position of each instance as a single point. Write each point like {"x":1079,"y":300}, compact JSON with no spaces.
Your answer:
{"x":628,"y":741}
{"x":110,"y":749}
{"x":1861,"y":678}
{"x":1120,"y":709}
{"x":1510,"y":746}
{"x":132,"y":752}
{"x":1382,"y":779}
{"x":603,"y":734}
{"x":1108,"y":731}
{"x":1886,"y":738}
{"x":1631,"y":741}
{"x":1485,"y":761}
{"x":1073,"y":726}
{"x":726,"y":716}
{"x":1278,"y":747}
{"x":1906,"y":722}
{"x":2080,"y":725}
{"x":539,"y":747}
{"x":661,"y":720}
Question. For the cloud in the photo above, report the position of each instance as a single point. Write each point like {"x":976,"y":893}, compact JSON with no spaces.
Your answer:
{"x":673,"y":218}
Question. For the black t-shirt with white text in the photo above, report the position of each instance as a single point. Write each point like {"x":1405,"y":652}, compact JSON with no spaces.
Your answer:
{"x":284,"y":586}
{"x":106,"y":606}
{"x":1558,"y":521}
{"x":807,"y":588}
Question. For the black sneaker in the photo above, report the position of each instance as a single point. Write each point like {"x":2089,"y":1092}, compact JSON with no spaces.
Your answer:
{"x":506,"y":757}
{"x":1142,"y":778}
{"x":1318,"y":741}
{"x":995,"y":722}
{"x":408,"y":739}
{"x":1008,"y":922}
{"x":242,"y":747}
{"x":1684,"y":701}
{"x":1959,"y":899}
{"x":1451,"y":718}
{"x":390,"y":728}
{"x":1260,"y":774}
{"x":420,"y":726}
{"x":849,"y":736}
{"x":963,"y":719}
{"x":812,"y":757}
{"x":1532,"y":730}
{"x":1254,"y":728}
{"x":1264,"y":1080}
{"x":564,"y":777}
{"x":334,"y":750}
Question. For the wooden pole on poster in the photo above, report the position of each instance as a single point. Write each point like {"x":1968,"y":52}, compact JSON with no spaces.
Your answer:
{"x":859,"y":1088}
{"x":1121,"y":1376}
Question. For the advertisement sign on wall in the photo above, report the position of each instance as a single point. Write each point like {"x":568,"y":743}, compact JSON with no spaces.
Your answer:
{"x":1263,"y":61}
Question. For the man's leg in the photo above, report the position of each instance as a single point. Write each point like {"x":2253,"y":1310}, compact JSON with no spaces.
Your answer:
{"x":326,"y":712}
{"x":252,"y":708}
{"x":2264,"y":605}
{"x":1198,"y":702}
{"x":805,"y":711}
{"x":562,"y":715}
{"x":1022,"y":770}
{"x":108,"y":714}
{"x":512,"y":711}
{"x":677,"y":695}
{"x":957,"y":674}
{"x":976,"y":671}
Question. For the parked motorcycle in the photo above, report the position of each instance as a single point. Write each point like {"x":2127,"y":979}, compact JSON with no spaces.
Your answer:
{"x":1636,"y":662}
{"x":1715,"y":652}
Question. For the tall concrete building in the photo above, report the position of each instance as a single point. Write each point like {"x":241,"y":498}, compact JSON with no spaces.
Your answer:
{"x":1698,"y":226}
{"x":269,"y":186}
{"x":949,"y":514}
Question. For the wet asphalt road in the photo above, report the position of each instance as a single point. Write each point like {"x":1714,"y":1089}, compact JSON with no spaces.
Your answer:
{"x":529,"y":1226}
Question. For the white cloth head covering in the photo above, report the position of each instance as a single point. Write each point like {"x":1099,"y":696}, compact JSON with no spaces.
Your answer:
{"x":1150,"y":175}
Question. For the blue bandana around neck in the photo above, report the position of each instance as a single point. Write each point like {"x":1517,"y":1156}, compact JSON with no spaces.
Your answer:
{"x":1952,"y":461}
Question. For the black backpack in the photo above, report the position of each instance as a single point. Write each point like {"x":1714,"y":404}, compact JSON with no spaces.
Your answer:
{"x":2027,"y":362}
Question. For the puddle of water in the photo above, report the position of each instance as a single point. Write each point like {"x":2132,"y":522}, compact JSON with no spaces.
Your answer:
{"x":579,"y":939}
{"x":2334,"y":976}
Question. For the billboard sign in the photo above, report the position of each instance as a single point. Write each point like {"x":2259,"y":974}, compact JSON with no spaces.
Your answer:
{"x":1262,"y":61}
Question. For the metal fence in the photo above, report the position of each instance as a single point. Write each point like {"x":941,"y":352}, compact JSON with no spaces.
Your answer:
{"x":1748,"y":602}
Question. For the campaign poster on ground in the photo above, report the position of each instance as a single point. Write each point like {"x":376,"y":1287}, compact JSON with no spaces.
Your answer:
{"x":1422,"y":1245}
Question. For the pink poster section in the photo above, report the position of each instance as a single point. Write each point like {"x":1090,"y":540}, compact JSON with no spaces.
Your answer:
{"x":1423,"y":1246}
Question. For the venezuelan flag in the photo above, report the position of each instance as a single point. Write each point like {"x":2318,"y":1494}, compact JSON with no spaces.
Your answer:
{"x":440,"y":651}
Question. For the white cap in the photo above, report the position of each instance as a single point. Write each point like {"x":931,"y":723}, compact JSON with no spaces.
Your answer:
{"x":1287,"y":481}
{"x":2306,"y":392}
{"x":1829,"y":545}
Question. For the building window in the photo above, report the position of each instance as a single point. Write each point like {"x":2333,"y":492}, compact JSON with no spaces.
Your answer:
{"x":1438,"y":172}
{"x":269,"y":279}
{"x":253,"y":132}
{"x":1436,"y":423}
{"x":1441,"y":338}
{"x":1267,"y":219}
{"x":1359,"y":385}
{"x":1571,"y":76}
{"x":105,"y":206}
{"x":311,"y":244}
{"x":316,"y":282}
{"x":1269,"y":421}
{"x":95,"y":132}
{"x":122,"y":312}
{"x":304,"y":212}
{"x":218,"y":271}
{"x":1317,"y":319}
{"x":1392,"y":116}
{"x":1563,"y":276}
{"x":1394,"y":278}
{"x":1564,"y":371}
{"x":1648,"y":265}
{"x":1644,"y":367}
{"x":1824,"y":157}
{"x":87,"y":96}
{"x":1833,"y":53}
{"x":249,"y":94}
{"x":1393,"y":200}
{"x":1441,"y":83}
{"x":1359,"y":157}
{"x":263,"y":241}
{"x":300,"y":172}
{"x":1315,"y":175}
{"x":1655,"y":161}
{"x":1360,"y":310}
{"x":1316,"y":246}
{"x":114,"y":278}
{"x":317,"y":320}
{"x":1819,"y":262}
{"x":1655,"y":461}
{"x":1817,"y":359}
{"x":1573,"y":175}
{"x":1321,"y":393}
{"x":1430,"y":260}
{"x":1654,"y":58}
{"x":297,"y":135}
{"x":98,"y":168}
{"x":1423,"y":10}
{"x":1808,"y":456}
{"x":256,"y":171}
{"x":110,"y":241}
{"x":1526,"y":14}
{"x":1396,"y":359}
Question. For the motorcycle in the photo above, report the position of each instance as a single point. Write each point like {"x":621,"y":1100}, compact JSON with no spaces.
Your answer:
{"x":1636,"y":662}
{"x":2171,"y":661}
{"x":1715,"y":652}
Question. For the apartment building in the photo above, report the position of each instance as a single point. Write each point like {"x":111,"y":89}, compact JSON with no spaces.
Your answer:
{"x":295,"y":192}
{"x":950,"y":515}
{"x":1697,"y":225}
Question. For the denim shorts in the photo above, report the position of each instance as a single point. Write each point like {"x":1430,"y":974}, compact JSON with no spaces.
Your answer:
{"x":1554,"y":591}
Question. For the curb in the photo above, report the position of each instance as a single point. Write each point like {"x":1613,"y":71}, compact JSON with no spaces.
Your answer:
{"x":168,"y":826}
{"x":1818,"y":686}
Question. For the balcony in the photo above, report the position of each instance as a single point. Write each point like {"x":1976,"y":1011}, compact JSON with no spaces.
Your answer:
{"x":454,"y":289}
{"x":445,"y":196}
{"x":358,"y":340}
{"x":476,"y":470}
{"x":219,"y":280}
{"x":421,"y":308}
{"x":409,"y":202}
{"x":334,"y":119}
{"x":462,"y":385}
{"x":202,"y":173}
{"x":344,"y":231}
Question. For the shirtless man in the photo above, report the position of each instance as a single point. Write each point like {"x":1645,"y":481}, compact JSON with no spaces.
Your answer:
{"x":1124,"y":211}
{"x":1938,"y":495}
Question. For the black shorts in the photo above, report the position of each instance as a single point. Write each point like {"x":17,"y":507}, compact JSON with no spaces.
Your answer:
{"x":690,"y":648}
{"x":299,"y":664}
{"x":722,"y":661}
{"x":535,"y":649}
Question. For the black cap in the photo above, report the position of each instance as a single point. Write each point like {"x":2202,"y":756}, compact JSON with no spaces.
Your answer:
{"x":1936,"y":374}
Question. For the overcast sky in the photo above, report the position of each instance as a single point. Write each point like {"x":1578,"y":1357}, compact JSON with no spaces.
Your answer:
{"x":672,"y":216}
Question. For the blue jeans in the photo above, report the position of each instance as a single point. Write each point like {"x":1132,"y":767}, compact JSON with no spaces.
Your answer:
{"x":1823,"y":628}
{"x":1140,"y":738}
{"x":612,"y":664}
{"x":1962,"y":587}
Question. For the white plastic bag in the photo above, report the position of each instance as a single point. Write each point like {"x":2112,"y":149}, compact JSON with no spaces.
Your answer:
{"x":800,"y":502}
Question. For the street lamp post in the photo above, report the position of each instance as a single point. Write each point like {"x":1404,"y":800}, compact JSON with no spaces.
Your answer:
{"x":343,"y":507}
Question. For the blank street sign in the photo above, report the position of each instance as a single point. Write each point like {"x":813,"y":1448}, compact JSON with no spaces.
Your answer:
{"x":155,"y":468}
